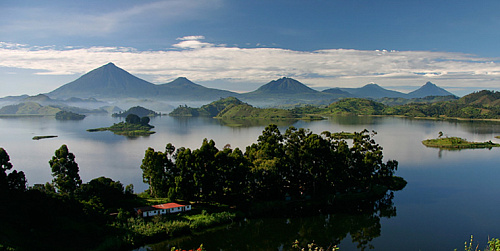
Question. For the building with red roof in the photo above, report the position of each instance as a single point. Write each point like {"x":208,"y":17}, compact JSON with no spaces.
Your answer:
{"x":161,"y":209}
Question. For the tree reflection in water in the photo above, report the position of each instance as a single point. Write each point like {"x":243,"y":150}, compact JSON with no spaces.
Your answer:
{"x":326,"y":226}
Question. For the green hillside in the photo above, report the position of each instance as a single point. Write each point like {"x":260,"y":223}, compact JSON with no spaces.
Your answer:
{"x":29,"y":108}
{"x":209,"y":110}
{"x":355,"y":106}
{"x":246,"y":111}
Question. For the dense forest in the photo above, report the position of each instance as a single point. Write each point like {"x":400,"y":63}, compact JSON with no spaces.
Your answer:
{"x":294,"y":164}
{"x":222,"y":183}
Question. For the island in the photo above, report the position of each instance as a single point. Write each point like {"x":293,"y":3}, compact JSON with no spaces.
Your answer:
{"x":457,"y":143}
{"x":44,"y":137}
{"x":66,"y":115}
{"x":133,"y":126}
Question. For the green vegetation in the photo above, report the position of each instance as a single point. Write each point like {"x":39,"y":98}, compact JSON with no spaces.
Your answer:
{"x":44,"y":137}
{"x":29,"y":108}
{"x":132,"y":127}
{"x":457,"y":143}
{"x":426,"y":100}
{"x":137,"y":110}
{"x":480,"y":105}
{"x":233,"y":109}
{"x":493,"y":245}
{"x":295,"y":164}
{"x":298,"y":164}
{"x":65,"y":115}
{"x":354,"y":106}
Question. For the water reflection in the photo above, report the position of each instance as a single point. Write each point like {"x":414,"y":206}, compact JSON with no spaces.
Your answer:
{"x":325,"y":226}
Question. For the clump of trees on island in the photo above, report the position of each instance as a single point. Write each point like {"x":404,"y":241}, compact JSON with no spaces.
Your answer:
{"x":295,"y":164}
{"x":133,"y":126}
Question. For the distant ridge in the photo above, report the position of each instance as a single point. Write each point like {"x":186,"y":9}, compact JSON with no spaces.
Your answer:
{"x":375,"y":91}
{"x":112,"y":82}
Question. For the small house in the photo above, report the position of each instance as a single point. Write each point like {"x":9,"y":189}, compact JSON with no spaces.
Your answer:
{"x":161,"y":209}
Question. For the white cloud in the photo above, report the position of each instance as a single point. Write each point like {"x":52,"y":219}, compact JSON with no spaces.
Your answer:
{"x":201,"y":61}
{"x":191,"y":38}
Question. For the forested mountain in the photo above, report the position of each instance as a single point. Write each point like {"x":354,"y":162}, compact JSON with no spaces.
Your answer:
{"x":356,"y":106}
{"x":231,"y":108}
{"x":33,"y":108}
{"x":427,"y":100}
{"x":208,"y":110}
{"x":480,"y":105}
{"x":483,"y":98}
{"x":29,"y":108}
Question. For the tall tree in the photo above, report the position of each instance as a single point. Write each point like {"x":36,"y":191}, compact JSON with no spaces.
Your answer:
{"x":65,"y":171}
{"x":153,"y":171}
{"x":14,"y":181}
{"x":267,"y":163}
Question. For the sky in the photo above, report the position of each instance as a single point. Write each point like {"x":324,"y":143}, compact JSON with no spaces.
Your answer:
{"x":239,"y":45}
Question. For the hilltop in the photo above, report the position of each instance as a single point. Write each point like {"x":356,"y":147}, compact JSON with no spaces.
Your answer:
{"x":233,"y":108}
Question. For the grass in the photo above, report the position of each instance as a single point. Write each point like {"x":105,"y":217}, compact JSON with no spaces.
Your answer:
{"x":457,"y":143}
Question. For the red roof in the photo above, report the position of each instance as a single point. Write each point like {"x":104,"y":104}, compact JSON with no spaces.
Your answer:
{"x":168,"y":206}
{"x":161,"y":206}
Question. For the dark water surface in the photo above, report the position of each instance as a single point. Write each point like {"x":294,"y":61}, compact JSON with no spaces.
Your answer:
{"x":450,"y":194}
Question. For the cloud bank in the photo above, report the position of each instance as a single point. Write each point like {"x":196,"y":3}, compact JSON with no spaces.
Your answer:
{"x":203,"y":62}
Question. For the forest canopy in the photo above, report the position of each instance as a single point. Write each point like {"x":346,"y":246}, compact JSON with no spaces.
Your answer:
{"x":294,"y":164}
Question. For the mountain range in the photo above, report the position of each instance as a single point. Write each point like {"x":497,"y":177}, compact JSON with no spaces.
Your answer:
{"x":111,"y":82}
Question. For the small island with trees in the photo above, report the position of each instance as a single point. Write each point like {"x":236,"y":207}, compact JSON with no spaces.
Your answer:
{"x":133,"y":126}
{"x":66,"y":115}
{"x":456,"y":143}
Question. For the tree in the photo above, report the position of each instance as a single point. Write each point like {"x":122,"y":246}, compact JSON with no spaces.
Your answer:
{"x":5,"y":165}
{"x":145,"y":121}
{"x":267,"y":163}
{"x":14,"y":181}
{"x":133,"y":119}
{"x":153,"y":171}
{"x":65,"y":171}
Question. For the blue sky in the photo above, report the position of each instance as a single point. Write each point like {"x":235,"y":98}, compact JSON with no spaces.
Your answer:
{"x":239,"y":45}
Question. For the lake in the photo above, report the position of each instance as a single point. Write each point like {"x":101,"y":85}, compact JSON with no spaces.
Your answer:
{"x":450,"y":194}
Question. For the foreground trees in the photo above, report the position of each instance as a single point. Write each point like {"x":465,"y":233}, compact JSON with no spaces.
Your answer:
{"x":297,"y":163}
{"x":13,"y":181}
{"x":65,"y":171}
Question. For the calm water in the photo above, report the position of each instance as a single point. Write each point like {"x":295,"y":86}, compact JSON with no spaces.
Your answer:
{"x":450,"y":194}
